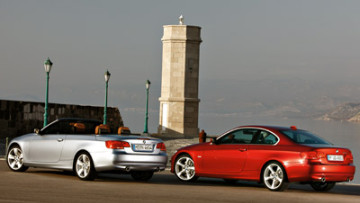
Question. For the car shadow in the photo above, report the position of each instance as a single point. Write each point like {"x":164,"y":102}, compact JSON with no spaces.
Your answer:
{"x":170,"y":179}
{"x":165,"y":178}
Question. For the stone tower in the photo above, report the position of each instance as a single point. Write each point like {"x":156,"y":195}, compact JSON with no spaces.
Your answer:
{"x":179,"y":102}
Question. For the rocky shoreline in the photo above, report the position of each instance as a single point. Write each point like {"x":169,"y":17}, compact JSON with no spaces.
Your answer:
{"x":349,"y":112}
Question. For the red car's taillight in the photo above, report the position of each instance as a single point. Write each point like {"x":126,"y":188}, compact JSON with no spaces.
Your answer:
{"x":313,"y":156}
{"x":114,"y":144}
{"x":349,"y":158}
{"x":161,"y":146}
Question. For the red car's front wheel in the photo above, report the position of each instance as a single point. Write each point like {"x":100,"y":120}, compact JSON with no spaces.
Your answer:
{"x":185,"y":168}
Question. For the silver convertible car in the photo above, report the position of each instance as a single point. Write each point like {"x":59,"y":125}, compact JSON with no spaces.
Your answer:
{"x":87,"y":147}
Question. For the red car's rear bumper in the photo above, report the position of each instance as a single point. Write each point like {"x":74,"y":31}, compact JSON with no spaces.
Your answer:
{"x":337,"y":173}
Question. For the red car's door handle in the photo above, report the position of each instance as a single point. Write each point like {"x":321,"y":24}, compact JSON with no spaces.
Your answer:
{"x":242,"y":149}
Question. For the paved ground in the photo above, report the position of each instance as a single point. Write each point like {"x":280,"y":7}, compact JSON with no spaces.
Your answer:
{"x":44,"y":185}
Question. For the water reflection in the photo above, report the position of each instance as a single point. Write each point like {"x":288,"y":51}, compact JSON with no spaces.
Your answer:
{"x":339,"y":133}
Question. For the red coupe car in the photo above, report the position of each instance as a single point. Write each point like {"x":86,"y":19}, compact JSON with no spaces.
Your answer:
{"x":273,"y":155}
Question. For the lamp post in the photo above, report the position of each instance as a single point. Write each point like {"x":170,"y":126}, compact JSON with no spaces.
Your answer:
{"x":147,"y":85}
{"x":107,"y":78}
{"x":47,"y":64}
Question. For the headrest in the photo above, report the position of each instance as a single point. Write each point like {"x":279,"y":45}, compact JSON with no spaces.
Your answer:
{"x":80,"y":127}
{"x":102,"y":129}
{"x":124,"y":130}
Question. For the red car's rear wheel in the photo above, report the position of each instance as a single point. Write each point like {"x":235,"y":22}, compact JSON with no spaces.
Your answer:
{"x":274,"y":177}
{"x":322,"y":187}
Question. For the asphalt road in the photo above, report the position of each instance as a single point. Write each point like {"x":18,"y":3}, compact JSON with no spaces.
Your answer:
{"x":45,"y":185}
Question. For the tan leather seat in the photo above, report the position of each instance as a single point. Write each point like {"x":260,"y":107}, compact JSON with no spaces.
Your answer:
{"x":102,"y":129}
{"x":124,"y":130}
{"x":79,"y":127}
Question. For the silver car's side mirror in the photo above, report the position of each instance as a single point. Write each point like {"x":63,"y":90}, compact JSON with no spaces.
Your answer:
{"x":37,"y":130}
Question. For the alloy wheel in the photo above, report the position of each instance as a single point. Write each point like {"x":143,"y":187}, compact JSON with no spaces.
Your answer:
{"x":185,"y":168}
{"x":15,"y":159}
{"x":274,"y":177}
{"x":84,"y":168}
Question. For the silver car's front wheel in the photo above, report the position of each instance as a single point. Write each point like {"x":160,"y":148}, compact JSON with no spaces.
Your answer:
{"x":274,"y":177}
{"x":84,"y":167}
{"x":15,"y":158}
{"x":185,"y":168}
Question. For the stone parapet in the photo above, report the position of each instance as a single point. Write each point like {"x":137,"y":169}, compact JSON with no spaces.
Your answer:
{"x":21,"y":117}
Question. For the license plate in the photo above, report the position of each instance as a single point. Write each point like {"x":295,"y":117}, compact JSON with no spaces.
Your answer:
{"x":335,"y":157}
{"x":143,"y":147}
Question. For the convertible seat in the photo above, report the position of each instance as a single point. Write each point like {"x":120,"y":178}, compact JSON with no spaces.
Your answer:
{"x":124,"y":130}
{"x":79,"y":127}
{"x":102,"y":129}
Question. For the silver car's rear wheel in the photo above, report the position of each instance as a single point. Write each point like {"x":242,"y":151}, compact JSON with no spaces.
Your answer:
{"x":84,"y":168}
{"x":274,"y":177}
{"x":142,"y":175}
{"x":15,"y":159}
{"x":185,"y":168}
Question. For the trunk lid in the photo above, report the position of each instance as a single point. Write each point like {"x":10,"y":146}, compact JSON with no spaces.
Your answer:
{"x":330,"y":155}
{"x":136,"y":144}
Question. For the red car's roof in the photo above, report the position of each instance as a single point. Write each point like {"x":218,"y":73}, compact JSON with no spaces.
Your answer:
{"x":269,"y":127}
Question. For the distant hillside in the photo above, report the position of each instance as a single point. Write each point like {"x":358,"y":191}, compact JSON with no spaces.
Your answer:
{"x":345,"y":112}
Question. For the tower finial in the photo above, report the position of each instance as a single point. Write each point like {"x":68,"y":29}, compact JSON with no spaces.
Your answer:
{"x":181,"y":20}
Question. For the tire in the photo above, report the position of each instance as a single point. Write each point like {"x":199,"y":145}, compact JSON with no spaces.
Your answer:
{"x":231,"y":181}
{"x":14,"y":159}
{"x":142,"y":175}
{"x":322,"y":187}
{"x":185,"y":168}
{"x":84,"y":167}
{"x":274,"y":177}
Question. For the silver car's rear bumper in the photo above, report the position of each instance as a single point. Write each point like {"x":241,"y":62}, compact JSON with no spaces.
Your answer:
{"x":113,"y":160}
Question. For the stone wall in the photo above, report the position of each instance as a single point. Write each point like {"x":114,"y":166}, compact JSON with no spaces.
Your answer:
{"x":21,"y":117}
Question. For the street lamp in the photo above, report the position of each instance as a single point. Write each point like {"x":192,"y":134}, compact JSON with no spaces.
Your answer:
{"x":147,"y":85}
{"x":107,"y":78}
{"x":47,"y":65}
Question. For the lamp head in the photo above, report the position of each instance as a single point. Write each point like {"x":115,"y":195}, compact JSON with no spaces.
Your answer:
{"x":107,"y":76}
{"x":147,"y":84}
{"x":47,"y":65}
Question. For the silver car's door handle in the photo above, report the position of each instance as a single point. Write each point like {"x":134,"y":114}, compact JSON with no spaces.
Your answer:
{"x":60,"y":140}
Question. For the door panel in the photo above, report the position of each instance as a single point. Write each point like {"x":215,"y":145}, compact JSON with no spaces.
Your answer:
{"x":224,"y":159}
{"x":46,"y":148}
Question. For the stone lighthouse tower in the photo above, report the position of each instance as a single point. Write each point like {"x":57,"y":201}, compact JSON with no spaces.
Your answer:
{"x":179,"y":102}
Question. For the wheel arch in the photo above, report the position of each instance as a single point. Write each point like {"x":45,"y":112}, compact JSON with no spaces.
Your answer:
{"x":177,"y":156}
{"x":77,"y":154}
{"x":269,"y":161}
{"x":12,"y":144}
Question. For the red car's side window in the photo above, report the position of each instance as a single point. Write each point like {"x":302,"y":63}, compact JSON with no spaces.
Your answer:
{"x":249,"y":136}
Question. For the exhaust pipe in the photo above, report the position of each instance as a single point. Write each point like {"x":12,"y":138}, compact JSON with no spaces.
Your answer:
{"x":323,"y":179}
{"x":127,"y":169}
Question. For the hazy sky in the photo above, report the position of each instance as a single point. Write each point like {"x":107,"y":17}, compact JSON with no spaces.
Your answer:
{"x":254,"y":54}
